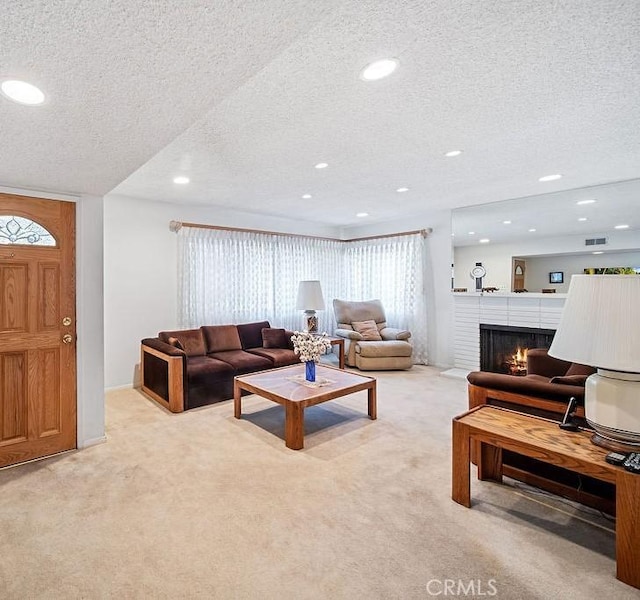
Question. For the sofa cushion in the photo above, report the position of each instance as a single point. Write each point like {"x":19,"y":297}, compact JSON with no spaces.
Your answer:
{"x":368,"y":330}
{"x":203,"y":369}
{"x":288,"y":335}
{"x":579,"y":380}
{"x":251,"y":334}
{"x":175,"y":342}
{"x":540,"y":362}
{"x":281,"y":357}
{"x":578,"y":369}
{"x":347,"y":312}
{"x":384,"y":349}
{"x":243,"y":362}
{"x":274,"y":338}
{"x":220,"y":338}
{"x":191,"y":340}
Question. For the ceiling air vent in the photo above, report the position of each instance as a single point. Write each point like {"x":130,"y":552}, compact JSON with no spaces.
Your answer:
{"x":595,"y":241}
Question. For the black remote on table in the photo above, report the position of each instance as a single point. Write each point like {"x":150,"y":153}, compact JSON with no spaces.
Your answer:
{"x":615,"y":458}
{"x":632,"y":463}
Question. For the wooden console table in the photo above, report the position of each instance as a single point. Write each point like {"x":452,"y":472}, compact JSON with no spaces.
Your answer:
{"x":495,"y":429}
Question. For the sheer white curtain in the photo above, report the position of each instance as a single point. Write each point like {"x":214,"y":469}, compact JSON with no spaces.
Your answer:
{"x":239,"y":277}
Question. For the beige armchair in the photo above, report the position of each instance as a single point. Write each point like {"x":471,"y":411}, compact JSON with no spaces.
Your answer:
{"x":369,"y":344}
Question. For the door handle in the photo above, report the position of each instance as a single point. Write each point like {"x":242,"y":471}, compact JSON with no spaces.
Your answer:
{"x":67,"y":338}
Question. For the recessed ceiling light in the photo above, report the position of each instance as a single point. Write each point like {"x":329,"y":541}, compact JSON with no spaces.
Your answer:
{"x":306,"y":196}
{"x":379,"y":69}
{"x":22,"y":92}
{"x":532,"y":230}
{"x":484,"y":240}
{"x":453,"y":153}
{"x":598,"y":252}
{"x":621,"y":227}
{"x":550,"y":177}
{"x":322,"y":165}
{"x":402,"y":190}
{"x":362,"y":214}
{"x":506,"y":222}
{"x":582,"y":219}
{"x":472,"y":233}
{"x":581,"y":202}
{"x":181,"y":180}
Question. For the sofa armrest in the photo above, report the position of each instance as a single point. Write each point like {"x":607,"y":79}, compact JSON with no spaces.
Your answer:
{"x":160,"y":346}
{"x":163,"y":377}
{"x":529,"y":385}
{"x":348,"y":334}
{"x":391,"y":333}
{"x":540,"y":363}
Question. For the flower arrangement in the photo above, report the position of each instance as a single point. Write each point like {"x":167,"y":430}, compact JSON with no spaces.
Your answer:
{"x":310,"y":346}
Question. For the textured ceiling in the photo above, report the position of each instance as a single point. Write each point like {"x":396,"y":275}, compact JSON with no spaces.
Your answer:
{"x":125,"y":77}
{"x":244,"y":100}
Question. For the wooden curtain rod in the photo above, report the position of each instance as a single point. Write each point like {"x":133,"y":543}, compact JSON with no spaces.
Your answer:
{"x":175,"y":226}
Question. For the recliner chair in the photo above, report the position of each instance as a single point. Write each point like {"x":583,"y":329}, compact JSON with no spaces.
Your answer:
{"x":369,"y":344}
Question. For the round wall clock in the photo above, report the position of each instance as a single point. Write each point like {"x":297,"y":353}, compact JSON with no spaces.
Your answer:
{"x":478,"y":271}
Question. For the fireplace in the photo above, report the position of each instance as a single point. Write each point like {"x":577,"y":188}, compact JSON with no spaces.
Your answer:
{"x":503,"y":347}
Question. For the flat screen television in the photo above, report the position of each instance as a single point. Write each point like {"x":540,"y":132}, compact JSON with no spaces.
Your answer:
{"x":556,"y":277}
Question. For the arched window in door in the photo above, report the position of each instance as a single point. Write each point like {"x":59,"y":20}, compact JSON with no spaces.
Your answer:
{"x":25,"y":232}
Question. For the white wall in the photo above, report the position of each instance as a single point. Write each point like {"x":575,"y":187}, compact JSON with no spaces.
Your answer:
{"x":496,"y":258}
{"x":90,"y":328}
{"x":538,"y":268}
{"x":140,"y":271}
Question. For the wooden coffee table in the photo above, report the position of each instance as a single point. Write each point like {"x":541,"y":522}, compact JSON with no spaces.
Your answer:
{"x":276,"y":385}
{"x":494,"y":429}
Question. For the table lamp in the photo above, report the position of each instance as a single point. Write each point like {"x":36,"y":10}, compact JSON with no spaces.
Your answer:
{"x":600,"y":327}
{"x":310,"y":299}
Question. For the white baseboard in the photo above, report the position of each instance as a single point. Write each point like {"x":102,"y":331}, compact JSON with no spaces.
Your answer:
{"x":127,"y":386}
{"x":456,"y":373}
{"x":92,"y":442}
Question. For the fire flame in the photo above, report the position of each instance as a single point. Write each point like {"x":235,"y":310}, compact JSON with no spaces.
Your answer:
{"x":518,"y":363}
{"x":520,"y":356}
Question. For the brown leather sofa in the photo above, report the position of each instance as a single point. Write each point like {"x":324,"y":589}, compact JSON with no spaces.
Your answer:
{"x":545,"y":392}
{"x":194,"y":367}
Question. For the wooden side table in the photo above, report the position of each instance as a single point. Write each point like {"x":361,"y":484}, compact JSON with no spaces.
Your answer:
{"x":337,"y":341}
{"x":496,"y":429}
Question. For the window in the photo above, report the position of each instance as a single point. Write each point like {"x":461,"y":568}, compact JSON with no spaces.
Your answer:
{"x":25,"y":232}
{"x":228,"y":276}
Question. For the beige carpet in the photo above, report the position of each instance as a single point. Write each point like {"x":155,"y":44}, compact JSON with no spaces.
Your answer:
{"x":201,"y":505}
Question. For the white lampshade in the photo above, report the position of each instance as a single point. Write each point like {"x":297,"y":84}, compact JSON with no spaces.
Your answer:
{"x":600,"y":324}
{"x":600,"y":327}
{"x":310,"y":296}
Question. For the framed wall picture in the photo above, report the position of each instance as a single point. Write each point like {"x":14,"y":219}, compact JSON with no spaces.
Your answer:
{"x":556,"y":277}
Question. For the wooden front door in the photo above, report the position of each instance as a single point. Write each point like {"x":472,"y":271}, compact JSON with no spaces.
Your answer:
{"x":37,"y":328}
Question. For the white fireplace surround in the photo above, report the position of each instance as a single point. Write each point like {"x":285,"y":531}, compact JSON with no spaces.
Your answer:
{"x":541,"y":311}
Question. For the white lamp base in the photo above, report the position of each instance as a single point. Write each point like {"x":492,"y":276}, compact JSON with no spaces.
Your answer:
{"x":612,"y":408}
{"x":311,"y":321}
